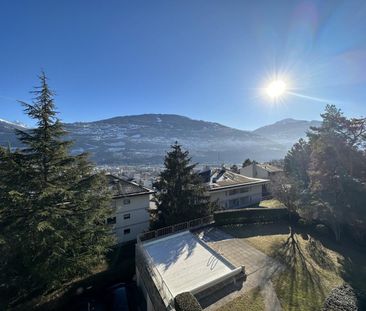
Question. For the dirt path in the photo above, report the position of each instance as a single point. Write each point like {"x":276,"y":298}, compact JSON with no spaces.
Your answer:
{"x":258,"y":266}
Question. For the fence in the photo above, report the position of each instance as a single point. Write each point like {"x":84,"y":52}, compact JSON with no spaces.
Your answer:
{"x":250,"y":215}
{"x":192,"y":224}
{"x":143,"y":256}
{"x":147,"y":262}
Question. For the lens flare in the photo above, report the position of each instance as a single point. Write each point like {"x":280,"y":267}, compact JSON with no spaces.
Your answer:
{"x":276,"y":89}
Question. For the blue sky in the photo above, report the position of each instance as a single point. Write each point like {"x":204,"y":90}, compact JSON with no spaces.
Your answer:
{"x":205,"y":59}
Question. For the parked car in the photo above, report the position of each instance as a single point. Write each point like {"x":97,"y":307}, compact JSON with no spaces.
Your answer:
{"x":119,"y":297}
{"x":89,"y":304}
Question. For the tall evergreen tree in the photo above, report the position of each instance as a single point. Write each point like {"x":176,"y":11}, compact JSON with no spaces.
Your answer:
{"x":330,"y":172}
{"x":181,"y":195}
{"x":337,"y":170}
{"x":297,"y":162}
{"x":53,"y":206}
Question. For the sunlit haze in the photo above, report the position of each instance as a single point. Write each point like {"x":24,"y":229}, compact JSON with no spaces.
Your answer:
{"x":208,"y":60}
{"x":276,"y":89}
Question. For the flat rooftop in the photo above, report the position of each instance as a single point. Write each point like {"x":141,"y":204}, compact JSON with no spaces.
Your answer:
{"x":186,"y":263}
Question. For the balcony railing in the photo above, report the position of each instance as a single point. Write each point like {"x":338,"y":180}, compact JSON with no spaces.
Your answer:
{"x":160,"y":284}
{"x":155,"y":275}
{"x":188,"y":225}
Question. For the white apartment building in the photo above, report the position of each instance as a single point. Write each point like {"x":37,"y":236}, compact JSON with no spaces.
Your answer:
{"x":257,"y":170}
{"x":266,"y":171}
{"x":131,"y":203}
{"x":231,"y":190}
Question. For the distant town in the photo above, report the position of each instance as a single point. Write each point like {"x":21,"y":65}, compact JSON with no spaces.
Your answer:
{"x":183,"y":155}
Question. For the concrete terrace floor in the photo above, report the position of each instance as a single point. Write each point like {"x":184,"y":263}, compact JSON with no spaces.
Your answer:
{"x":259,"y":268}
{"x":185,"y":262}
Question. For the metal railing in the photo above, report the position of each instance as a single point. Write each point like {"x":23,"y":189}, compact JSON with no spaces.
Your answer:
{"x":188,"y":225}
{"x":160,"y":284}
{"x":154,"y":273}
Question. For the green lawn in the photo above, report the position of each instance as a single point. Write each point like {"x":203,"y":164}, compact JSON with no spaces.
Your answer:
{"x":250,"y":301}
{"x":273,"y":203}
{"x":314,"y":264}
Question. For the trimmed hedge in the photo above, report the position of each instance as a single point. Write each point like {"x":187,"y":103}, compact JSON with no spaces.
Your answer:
{"x":322,"y":229}
{"x":250,"y":215}
{"x":186,"y":302}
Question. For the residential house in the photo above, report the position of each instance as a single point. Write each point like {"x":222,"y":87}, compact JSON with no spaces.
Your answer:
{"x":265,"y":171}
{"x":231,"y":190}
{"x":257,"y":170}
{"x":131,"y":203}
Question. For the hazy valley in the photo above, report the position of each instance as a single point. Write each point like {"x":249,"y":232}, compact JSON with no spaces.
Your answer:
{"x":144,"y":139}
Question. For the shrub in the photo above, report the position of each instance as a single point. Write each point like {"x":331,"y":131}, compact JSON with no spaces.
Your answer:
{"x":357,"y":232}
{"x":342,"y":298}
{"x":307,"y":223}
{"x":250,"y":215}
{"x":186,"y":302}
{"x":302,"y":222}
{"x":322,"y":229}
{"x":294,"y":217}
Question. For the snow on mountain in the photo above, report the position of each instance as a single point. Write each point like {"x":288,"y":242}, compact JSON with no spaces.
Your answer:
{"x":7,"y":132}
{"x":146,"y":138}
{"x":14,"y":123}
{"x":143,"y":139}
{"x":287,"y":131}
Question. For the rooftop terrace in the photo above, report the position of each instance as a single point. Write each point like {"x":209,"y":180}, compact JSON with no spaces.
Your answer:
{"x":176,"y":259}
{"x":188,"y":264}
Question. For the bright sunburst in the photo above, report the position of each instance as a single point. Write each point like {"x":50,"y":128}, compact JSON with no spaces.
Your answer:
{"x":276,"y":89}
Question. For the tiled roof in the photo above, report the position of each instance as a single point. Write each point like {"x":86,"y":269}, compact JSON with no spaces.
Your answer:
{"x":270,"y":168}
{"x":223,"y":178}
{"x":121,"y":187}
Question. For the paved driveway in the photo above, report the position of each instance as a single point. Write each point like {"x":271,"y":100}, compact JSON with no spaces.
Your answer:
{"x":258,"y":266}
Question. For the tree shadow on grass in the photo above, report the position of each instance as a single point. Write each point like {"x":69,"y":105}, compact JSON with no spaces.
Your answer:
{"x":352,"y":263}
{"x":317,"y":253}
{"x":300,"y":284}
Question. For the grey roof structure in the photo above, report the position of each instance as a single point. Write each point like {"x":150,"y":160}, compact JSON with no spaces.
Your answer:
{"x":223,"y":178}
{"x":270,"y":168}
{"x":124,"y":188}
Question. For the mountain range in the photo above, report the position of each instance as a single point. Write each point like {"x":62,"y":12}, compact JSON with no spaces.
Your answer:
{"x":144,"y":139}
{"x":287,"y":131}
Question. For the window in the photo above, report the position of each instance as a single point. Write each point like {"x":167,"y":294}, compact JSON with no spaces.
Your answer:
{"x":234,"y":203}
{"x":126,"y":201}
{"x":232,"y":192}
{"x":111,"y":220}
{"x":126,"y":216}
{"x":244,"y":201}
{"x":127,"y":231}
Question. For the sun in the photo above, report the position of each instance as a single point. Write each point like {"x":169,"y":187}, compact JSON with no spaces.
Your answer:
{"x":276,"y":89}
